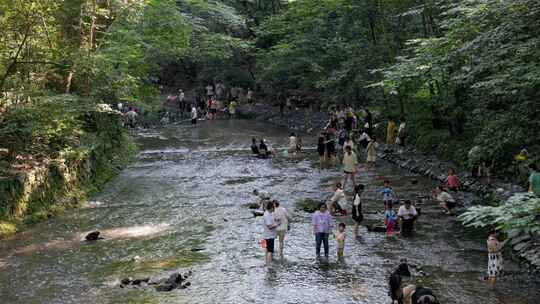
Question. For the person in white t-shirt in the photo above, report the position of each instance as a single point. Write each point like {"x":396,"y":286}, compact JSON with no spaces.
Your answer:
{"x":446,"y":201}
{"x":194,"y":115}
{"x":407,"y":214}
{"x":270,"y":232}
{"x":334,"y":203}
{"x":282,"y":216}
{"x":292,"y":143}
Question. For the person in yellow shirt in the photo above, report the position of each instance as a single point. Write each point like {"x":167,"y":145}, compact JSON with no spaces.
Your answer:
{"x":391,"y":131}
{"x":232,"y":108}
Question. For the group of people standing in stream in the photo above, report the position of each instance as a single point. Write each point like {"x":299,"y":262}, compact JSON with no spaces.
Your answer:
{"x":217,"y":98}
{"x":353,"y":137}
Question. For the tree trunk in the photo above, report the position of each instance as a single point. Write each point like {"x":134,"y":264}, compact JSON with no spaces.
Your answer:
{"x":68,"y":82}
{"x":92,"y":26}
{"x":10,"y":68}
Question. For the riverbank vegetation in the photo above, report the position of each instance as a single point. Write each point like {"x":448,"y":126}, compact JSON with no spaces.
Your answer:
{"x":463,"y":73}
{"x":64,"y":65}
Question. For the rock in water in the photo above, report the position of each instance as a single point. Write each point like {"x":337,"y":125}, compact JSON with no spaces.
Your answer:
{"x":166,"y":287}
{"x":125,"y":281}
{"x":93,"y":236}
{"x":140,"y":281}
{"x":175,"y":278}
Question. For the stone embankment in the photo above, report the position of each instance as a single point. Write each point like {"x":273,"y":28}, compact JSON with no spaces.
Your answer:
{"x":32,"y":190}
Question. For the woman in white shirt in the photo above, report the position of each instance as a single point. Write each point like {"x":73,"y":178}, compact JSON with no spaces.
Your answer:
{"x":282,"y":216}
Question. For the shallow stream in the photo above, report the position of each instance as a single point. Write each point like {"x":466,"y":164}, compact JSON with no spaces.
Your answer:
{"x":181,"y":206}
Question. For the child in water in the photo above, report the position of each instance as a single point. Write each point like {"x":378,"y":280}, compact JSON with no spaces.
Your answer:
{"x":388,"y":193}
{"x":390,"y":218}
{"x":340,"y":239}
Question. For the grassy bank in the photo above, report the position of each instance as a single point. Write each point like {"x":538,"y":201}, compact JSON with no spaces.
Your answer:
{"x":55,"y":153}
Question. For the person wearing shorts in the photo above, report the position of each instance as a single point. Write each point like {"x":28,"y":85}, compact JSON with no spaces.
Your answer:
{"x":446,"y":201}
{"x":270,"y":232}
{"x":350,"y":161}
{"x":282,"y":216}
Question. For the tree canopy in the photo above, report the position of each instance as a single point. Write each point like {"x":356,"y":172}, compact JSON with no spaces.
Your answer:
{"x":452,"y":67}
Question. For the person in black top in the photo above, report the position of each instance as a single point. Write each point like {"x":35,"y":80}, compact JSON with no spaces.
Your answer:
{"x":263,"y":149}
{"x":254,"y":147}
{"x":321,"y":148}
{"x":357,"y":214}
{"x":330,"y":148}
{"x":368,"y":123}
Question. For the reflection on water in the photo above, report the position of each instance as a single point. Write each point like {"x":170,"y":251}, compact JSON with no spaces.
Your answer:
{"x":134,"y":232}
{"x":182,"y":206}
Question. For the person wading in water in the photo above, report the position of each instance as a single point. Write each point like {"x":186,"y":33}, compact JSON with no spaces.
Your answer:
{"x":357,"y":214}
{"x":270,"y":232}
{"x":322,"y":225}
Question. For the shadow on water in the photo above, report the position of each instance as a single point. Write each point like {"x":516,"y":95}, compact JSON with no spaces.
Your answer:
{"x":182,"y":205}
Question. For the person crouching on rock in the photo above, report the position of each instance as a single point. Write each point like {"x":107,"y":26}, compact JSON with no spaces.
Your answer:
{"x":446,"y":201}
{"x":334,"y":203}
{"x":407,"y":214}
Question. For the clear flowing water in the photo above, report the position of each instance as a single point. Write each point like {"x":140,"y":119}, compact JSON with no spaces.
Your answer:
{"x":180,"y":207}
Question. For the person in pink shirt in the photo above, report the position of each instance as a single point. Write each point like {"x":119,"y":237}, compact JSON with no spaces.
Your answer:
{"x":452,"y":181}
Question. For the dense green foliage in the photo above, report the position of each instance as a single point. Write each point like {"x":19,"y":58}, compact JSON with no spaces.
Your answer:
{"x":463,"y":73}
{"x":519,"y":215}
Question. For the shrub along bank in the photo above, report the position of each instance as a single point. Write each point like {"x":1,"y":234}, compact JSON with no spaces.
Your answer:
{"x":55,"y":153}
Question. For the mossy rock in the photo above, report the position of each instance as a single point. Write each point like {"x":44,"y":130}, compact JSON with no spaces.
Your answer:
{"x":308,"y":205}
{"x":7,"y":229}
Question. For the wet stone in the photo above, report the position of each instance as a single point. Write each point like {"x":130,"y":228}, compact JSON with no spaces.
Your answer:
{"x":166,"y":287}
{"x":93,"y":236}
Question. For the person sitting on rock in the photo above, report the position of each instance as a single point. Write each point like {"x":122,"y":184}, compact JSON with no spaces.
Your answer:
{"x":254,"y":147}
{"x":263,"y":149}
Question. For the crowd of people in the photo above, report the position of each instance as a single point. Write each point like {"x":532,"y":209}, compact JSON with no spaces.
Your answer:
{"x":343,"y":139}
{"x":217,"y":100}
